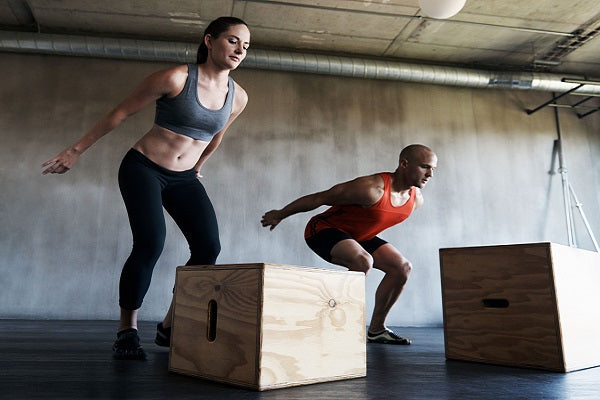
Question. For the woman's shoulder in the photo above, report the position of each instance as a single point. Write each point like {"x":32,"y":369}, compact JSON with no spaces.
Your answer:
{"x":240,"y":96}
{"x":169,"y":80}
{"x":176,"y":72}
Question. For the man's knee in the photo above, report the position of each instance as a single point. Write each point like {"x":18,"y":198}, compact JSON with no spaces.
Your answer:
{"x":362,"y":262}
{"x":403,"y":270}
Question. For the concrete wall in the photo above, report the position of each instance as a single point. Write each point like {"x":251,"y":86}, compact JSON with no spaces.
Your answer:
{"x":63,"y":239}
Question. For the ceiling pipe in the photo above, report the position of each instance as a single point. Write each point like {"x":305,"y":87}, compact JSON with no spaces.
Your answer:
{"x":147,"y":50}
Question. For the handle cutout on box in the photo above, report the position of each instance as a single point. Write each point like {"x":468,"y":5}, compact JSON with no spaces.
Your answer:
{"x":211,"y":326}
{"x":495,"y":303}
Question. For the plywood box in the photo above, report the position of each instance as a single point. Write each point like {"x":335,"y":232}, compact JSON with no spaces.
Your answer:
{"x":266,"y":326}
{"x":529,"y":305}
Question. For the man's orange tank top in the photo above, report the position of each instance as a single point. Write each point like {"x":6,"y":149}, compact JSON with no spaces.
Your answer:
{"x":364,"y":223}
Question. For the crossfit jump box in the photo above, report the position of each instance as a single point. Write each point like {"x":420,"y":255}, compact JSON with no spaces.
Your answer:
{"x":528,"y":305}
{"x":267,"y":326}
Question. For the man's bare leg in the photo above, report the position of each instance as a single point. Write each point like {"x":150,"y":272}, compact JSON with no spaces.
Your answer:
{"x":397,"y":270}
{"x":352,"y":255}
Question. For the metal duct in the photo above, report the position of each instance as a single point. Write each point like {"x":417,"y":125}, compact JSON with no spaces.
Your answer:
{"x":147,"y":50}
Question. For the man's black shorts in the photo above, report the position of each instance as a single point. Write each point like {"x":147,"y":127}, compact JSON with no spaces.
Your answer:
{"x":323,"y":241}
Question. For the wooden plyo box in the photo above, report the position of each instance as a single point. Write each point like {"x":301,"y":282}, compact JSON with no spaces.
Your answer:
{"x":266,"y":326}
{"x":528,"y":305}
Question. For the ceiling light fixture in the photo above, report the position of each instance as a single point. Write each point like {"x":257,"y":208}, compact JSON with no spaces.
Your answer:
{"x":441,"y":9}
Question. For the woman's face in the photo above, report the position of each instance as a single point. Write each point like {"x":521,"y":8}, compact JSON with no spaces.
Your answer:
{"x":229,"y":49}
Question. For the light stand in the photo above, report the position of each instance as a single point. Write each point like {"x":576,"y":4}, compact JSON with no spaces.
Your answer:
{"x":568,"y":191}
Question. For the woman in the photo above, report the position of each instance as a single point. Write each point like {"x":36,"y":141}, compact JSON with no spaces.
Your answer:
{"x":195,"y":104}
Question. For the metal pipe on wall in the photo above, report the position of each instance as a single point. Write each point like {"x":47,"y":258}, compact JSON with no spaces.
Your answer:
{"x":148,"y":50}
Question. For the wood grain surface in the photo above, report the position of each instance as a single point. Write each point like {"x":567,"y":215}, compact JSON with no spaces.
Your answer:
{"x":275,"y":325}
{"x":501,"y":304}
{"x":232,"y":356}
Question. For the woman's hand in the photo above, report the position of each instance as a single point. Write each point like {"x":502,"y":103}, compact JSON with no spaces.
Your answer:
{"x":61,"y":163}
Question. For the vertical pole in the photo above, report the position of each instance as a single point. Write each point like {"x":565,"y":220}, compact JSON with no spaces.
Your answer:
{"x":565,"y":183}
{"x":584,"y":218}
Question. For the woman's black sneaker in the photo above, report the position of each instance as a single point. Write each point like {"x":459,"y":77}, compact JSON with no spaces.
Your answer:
{"x":163,"y":336}
{"x":128,"y":347}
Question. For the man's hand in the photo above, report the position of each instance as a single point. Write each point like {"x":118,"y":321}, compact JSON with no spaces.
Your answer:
{"x":271,"y":218}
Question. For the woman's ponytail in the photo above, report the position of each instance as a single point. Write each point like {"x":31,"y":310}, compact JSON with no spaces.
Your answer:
{"x":202,"y":53}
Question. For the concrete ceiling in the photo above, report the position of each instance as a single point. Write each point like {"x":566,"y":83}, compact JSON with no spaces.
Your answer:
{"x":556,"y":36}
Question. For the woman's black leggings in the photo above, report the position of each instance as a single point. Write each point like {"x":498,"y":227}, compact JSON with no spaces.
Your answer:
{"x":146,"y":188}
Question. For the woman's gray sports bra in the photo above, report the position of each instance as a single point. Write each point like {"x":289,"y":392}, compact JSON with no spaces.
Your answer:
{"x":184,"y":114}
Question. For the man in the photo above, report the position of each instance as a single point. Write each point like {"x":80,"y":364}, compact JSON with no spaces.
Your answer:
{"x":346,"y":233}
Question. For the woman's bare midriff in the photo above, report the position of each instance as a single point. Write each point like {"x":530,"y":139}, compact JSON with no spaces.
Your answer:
{"x":170,"y":150}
